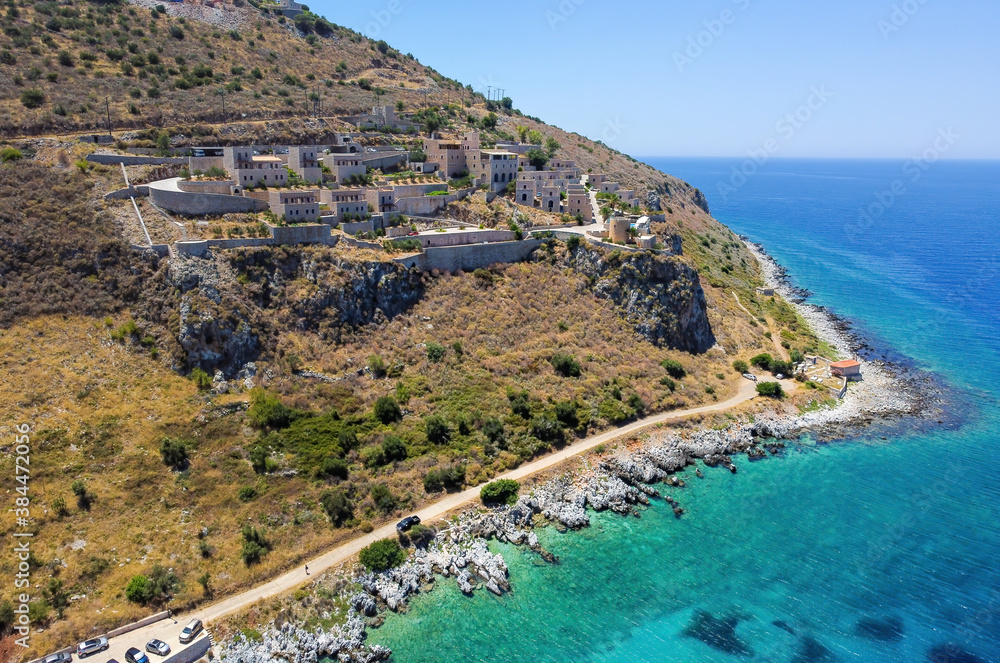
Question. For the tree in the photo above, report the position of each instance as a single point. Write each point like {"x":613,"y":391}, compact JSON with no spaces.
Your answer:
{"x":83,"y":497}
{"x":259,"y":456}
{"x":333,"y":468}
{"x":501,"y":491}
{"x":382,"y":555}
{"x":437,"y":429}
{"x":740,"y":366}
{"x":537,"y":158}
{"x":337,"y":506}
{"x":673,"y":368}
{"x":490,"y":121}
{"x":387,"y":410}
{"x":548,"y":429}
{"x":204,"y":580}
{"x":535,"y":137}
{"x":551,"y":146}
{"x":770,"y":389}
{"x":138,"y":590}
{"x":522,"y":133}
{"x":763,"y":361}
{"x":174,"y":453}
{"x":377,"y":366}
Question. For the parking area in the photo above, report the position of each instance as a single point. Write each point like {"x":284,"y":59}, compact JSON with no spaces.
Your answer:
{"x":167,"y":630}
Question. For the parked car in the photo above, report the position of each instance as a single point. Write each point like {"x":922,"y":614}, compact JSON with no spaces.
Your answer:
{"x":191,"y":631}
{"x":407,"y":523}
{"x":133,"y":655}
{"x":91,"y":646}
{"x":750,"y":376}
{"x":159,"y":647}
{"x":780,"y":376}
{"x":58,"y":658}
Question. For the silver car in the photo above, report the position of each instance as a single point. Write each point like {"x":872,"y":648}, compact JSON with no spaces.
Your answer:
{"x":92,"y":646}
{"x":158,"y":647}
{"x":191,"y":631}
{"x":58,"y":658}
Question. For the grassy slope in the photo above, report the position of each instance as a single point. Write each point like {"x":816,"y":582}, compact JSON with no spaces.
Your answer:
{"x":99,"y":409}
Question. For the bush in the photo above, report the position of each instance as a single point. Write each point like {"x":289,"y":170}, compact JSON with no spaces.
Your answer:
{"x":519,"y":403}
{"x":337,"y":506}
{"x":32,"y":98}
{"x":138,"y":590}
{"x":333,"y":468}
{"x":393,"y":448}
{"x":174,"y":453}
{"x":66,"y":59}
{"x":501,"y":491}
{"x":740,"y":366}
{"x":176,"y":32}
{"x":387,"y":410}
{"x":383,"y":498}
{"x":437,"y":429}
{"x":762,"y":360}
{"x":200,"y":378}
{"x":636,"y":403}
{"x":247,"y":493}
{"x":255,"y":545}
{"x":377,"y":366}
{"x":421,"y":535}
{"x":673,"y":368}
{"x":259,"y":456}
{"x":572,"y":243}
{"x":565,"y":365}
{"x":548,"y":430}
{"x":435,"y":352}
{"x":566,"y":413}
{"x":613,"y":411}
{"x":9,"y":154}
{"x":770,"y":389}
{"x":447,"y":478}
{"x":267,"y":411}
{"x":381,"y":555}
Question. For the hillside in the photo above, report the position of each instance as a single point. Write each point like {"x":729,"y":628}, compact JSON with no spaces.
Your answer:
{"x":306,"y":392}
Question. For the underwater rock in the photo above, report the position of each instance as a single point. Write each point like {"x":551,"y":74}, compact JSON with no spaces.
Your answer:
{"x":783,"y":625}
{"x":950,"y":653}
{"x":887,"y":629}
{"x":718,"y":633}
{"x":812,"y":650}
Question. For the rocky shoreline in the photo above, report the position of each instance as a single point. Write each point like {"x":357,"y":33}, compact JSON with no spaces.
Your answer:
{"x":621,"y":480}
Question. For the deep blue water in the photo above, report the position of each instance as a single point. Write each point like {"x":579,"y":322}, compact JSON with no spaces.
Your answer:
{"x":905,"y":529}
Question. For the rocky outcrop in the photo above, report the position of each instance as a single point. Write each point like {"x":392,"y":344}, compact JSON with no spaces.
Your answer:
{"x":653,"y":200}
{"x":290,"y":644}
{"x":660,"y":296}
{"x":700,"y":200}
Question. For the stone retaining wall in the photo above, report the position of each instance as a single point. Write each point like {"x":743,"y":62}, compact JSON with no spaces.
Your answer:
{"x":471,"y":256}
{"x":128,"y":160}
{"x":199,"y":204}
{"x":221,"y":187}
{"x":192,"y":652}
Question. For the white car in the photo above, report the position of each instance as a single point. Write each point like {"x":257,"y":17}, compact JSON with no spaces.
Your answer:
{"x":191,"y":631}
{"x":750,"y":376}
{"x":780,"y":376}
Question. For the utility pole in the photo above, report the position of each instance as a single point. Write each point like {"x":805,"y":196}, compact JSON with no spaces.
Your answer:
{"x":107,"y":109}
{"x":222,"y":92}
{"x":489,"y":92}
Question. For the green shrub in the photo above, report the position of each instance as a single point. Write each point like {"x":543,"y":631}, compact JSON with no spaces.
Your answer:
{"x":519,"y":403}
{"x":387,"y":410}
{"x":255,"y":545}
{"x":393,"y":449}
{"x":247,"y":493}
{"x":421,"y":535}
{"x":565,"y":365}
{"x":437,"y":429}
{"x":382,"y":555}
{"x":138,"y":590}
{"x":770,"y":389}
{"x":10,"y":154}
{"x":572,"y":243}
{"x":333,"y":468}
{"x":337,"y":506}
{"x":259,"y":456}
{"x":201,"y":378}
{"x":501,"y":491}
{"x":566,"y":413}
{"x":446,"y":478}
{"x":174,"y":453}
{"x":377,"y":366}
{"x":636,"y":403}
{"x":740,"y":366}
{"x":384,"y":500}
{"x":673,"y":368}
{"x":762,"y":361}
{"x":435,"y":352}
{"x":267,"y":411}
{"x":32,"y":98}
{"x":613,"y":411}
{"x":66,"y":59}
{"x":548,"y":430}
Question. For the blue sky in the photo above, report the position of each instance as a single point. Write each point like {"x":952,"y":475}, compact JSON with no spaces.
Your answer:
{"x":852,"y":78}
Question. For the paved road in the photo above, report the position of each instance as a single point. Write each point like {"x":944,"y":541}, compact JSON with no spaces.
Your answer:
{"x":169,"y":629}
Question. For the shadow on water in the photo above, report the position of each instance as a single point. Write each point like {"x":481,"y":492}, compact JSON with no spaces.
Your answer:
{"x":719,"y":633}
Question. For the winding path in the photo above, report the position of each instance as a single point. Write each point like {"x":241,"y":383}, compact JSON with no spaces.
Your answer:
{"x":167,"y":630}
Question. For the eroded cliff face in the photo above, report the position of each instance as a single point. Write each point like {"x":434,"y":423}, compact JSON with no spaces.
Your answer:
{"x":659,"y":295}
{"x":233,"y":305}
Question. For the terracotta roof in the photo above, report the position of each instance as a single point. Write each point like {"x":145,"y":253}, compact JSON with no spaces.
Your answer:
{"x":849,"y":363}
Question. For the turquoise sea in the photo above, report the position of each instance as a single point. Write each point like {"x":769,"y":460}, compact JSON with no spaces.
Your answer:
{"x":877,"y":548}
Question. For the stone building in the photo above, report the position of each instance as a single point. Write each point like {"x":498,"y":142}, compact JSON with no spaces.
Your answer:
{"x":248,"y":169}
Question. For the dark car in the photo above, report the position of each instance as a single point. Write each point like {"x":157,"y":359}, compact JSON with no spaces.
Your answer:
{"x":191,"y":631}
{"x":158,"y":647}
{"x":407,"y":523}
{"x":58,"y":658}
{"x":133,"y":655}
{"x":92,"y":646}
